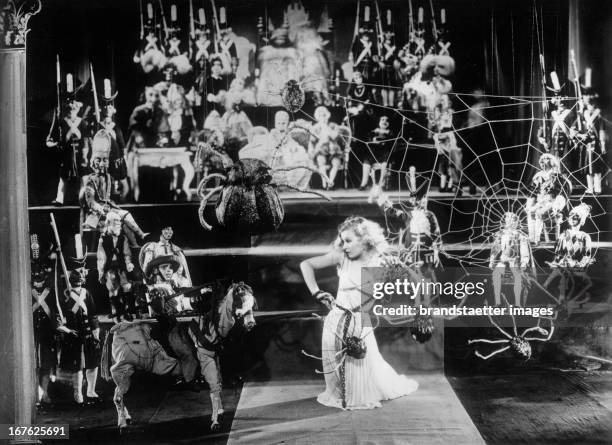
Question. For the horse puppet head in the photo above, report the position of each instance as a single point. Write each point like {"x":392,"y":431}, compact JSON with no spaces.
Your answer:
{"x":237,"y":306}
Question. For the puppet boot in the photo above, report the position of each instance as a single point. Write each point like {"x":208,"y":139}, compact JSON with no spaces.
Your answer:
{"x":77,"y":387}
{"x":92,"y":378}
{"x":589,"y":188}
{"x":597,"y":183}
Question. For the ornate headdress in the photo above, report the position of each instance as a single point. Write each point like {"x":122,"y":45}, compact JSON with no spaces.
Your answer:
{"x":583,"y":211}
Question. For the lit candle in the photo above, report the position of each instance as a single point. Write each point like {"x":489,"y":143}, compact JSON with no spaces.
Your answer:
{"x":587,"y":78}
{"x":78,"y":245}
{"x":150,"y":11}
{"x":421,"y":15}
{"x":366,"y":14}
{"x":222,"y":14}
{"x":69,"y":83}
{"x":173,"y":13}
{"x":443,"y":16}
{"x":388,"y":17}
{"x":201,"y":16}
{"x":107,"y":89}
{"x":555,"y":80}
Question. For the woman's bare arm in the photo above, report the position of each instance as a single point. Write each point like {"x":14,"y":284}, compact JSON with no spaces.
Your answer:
{"x":309,"y":266}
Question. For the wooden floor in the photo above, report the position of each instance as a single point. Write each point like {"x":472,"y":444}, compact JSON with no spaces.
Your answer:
{"x":287,"y":412}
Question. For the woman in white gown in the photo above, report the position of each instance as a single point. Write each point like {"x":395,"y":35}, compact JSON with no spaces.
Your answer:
{"x":353,"y":383}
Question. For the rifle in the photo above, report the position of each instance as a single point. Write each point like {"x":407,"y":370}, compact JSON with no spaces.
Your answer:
{"x":379,"y":30}
{"x":577,"y":86}
{"x":545,"y":105}
{"x":191,"y":29}
{"x":95,"y":94}
{"x":164,"y":23}
{"x":141,"y":20}
{"x":57,"y":113}
{"x":62,"y":262}
{"x":434,"y":28}
{"x":217,"y":27}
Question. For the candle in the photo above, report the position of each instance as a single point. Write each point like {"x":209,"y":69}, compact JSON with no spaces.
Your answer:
{"x":420,"y":15}
{"x":443,"y":16}
{"x":201,"y":16}
{"x":150,"y":10}
{"x":587,"y":78}
{"x":69,"y":83}
{"x":366,"y":14}
{"x":107,"y":89}
{"x":388,"y":17}
{"x":337,"y":78}
{"x":173,"y":13}
{"x":555,"y":80}
{"x":222,"y":14}
{"x":78,"y":245}
{"x":58,"y":75}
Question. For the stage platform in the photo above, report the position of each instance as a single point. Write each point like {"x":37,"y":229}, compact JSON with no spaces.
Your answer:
{"x":287,"y":412}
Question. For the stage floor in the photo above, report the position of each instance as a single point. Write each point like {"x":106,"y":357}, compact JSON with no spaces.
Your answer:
{"x":287,"y":412}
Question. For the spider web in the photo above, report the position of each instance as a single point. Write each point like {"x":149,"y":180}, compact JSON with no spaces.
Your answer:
{"x":500,"y":169}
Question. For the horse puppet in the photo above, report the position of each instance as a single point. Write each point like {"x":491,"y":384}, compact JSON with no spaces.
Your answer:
{"x":130,"y":347}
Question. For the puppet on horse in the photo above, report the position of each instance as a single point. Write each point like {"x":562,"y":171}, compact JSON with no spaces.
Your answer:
{"x":130,"y":347}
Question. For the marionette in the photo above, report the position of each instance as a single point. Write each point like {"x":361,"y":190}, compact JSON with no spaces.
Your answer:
{"x":227,"y":50}
{"x":145,"y":120}
{"x":378,"y":152}
{"x":450,"y":162}
{"x":80,"y":340}
{"x":592,"y":138}
{"x":72,"y":139}
{"x":573,"y":255}
{"x":216,"y":87}
{"x":150,"y":55}
{"x":388,"y":70}
{"x":179,"y":116}
{"x":551,"y":190}
{"x":173,"y":49}
{"x":358,"y":98}
{"x":442,"y":43}
{"x":114,"y":263}
{"x":362,"y":54}
{"x":329,"y":145}
{"x":290,"y":141}
{"x":96,"y":189}
{"x":418,"y":236}
{"x":45,"y":316}
{"x":162,"y":247}
{"x":510,"y":248}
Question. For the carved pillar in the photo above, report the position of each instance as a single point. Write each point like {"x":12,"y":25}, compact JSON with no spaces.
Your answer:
{"x":17,"y":373}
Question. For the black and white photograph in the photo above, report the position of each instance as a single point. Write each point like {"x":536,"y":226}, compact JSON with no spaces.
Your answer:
{"x":342,"y":222}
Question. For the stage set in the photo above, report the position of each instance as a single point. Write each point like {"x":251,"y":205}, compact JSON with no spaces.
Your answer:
{"x":192,"y":189}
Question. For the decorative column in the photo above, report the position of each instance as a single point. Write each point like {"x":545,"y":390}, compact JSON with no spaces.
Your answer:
{"x":17,"y":372}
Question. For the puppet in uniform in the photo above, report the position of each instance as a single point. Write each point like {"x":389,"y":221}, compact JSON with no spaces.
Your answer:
{"x":573,"y":252}
{"x":551,"y":189}
{"x":74,"y":147}
{"x":511,"y":249}
{"x":45,"y":316}
{"x":450,"y":156}
{"x":114,"y":262}
{"x":594,"y":142}
{"x":227,"y":51}
{"x":561,"y":129}
{"x":362,"y":54}
{"x":96,"y":191}
{"x":389,"y":77}
{"x":216,"y":87}
{"x":80,"y":340}
{"x":117,"y":163}
{"x":419,"y":236}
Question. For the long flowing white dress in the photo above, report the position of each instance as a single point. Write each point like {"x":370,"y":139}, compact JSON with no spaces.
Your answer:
{"x":367,"y":381}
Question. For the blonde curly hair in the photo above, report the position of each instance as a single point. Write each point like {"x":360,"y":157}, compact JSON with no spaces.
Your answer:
{"x":369,"y":232}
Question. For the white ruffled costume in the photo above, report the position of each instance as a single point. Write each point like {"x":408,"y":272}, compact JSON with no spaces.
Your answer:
{"x":371,"y":379}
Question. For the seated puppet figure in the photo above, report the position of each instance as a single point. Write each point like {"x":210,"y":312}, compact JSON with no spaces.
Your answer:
{"x":327,"y":145}
{"x":288,"y":153}
{"x":96,"y":189}
{"x":510,"y":249}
